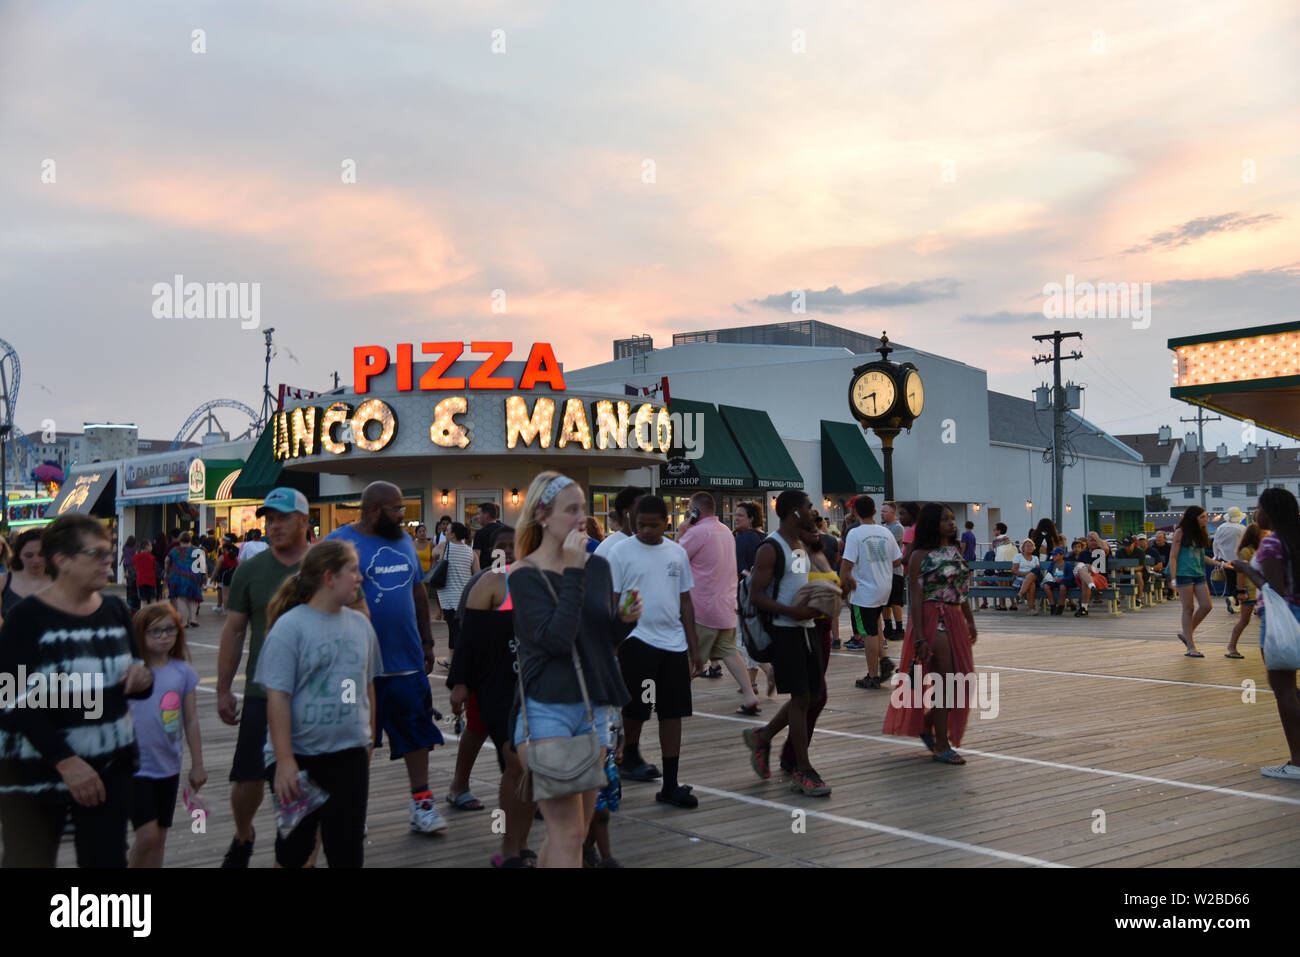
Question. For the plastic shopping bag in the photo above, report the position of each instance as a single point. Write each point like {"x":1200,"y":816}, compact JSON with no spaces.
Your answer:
{"x":310,"y":796}
{"x":1281,"y":633}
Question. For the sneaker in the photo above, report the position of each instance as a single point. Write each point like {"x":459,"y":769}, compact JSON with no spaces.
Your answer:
{"x":1082,"y":612}
{"x":759,"y":758}
{"x":682,"y":797}
{"x":1286,"y":771}
{"x":809,"y":782}
{"x":942,"y":627}
{"x":836,"y":645}
{"x":239,"y":854}
{"x":853,"y":644}
{"x":425,"y":818}
{"x":869,"y":683}
{"x":887,"y":668}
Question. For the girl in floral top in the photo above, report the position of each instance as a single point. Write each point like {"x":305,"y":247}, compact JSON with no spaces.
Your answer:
{"x":938,"y":579}
{"x":1277,"y":564}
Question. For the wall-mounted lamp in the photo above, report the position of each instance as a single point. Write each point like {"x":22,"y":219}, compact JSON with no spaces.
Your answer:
{"x":1028,"y":504}
{"x":514,"y":496}
{"x":826,"y":503}
{"x":444,"y":496}
{"x":774,"y":501}
{"x":975,"y":507}
{"x":1069,"y":507}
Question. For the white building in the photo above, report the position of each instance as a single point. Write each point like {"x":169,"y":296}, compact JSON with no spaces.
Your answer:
{"x":977,"y":451}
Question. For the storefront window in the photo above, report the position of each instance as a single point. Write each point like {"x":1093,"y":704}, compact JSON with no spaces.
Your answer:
{"x":601,"y":505}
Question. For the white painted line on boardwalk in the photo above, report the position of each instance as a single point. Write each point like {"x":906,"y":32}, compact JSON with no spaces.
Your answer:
{"x":1089,"y":674}
{"x":909,"y":743}
{"x":882,"y":828}
{"x":202,"y":645}
{"x":214,"y":691}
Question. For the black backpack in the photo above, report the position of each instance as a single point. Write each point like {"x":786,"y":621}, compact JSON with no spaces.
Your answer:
{"x":755,"y":625}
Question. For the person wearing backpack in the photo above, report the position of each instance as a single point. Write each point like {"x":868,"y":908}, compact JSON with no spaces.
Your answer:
{"x":782,"y":565}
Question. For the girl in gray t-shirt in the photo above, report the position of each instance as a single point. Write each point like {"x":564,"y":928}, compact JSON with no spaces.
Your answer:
{"x":318,"y":665}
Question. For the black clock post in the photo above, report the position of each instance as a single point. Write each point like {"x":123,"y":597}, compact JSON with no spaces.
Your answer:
{"x":901,"y":384}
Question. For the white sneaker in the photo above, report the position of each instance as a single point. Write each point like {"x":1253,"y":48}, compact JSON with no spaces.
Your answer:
{"x":425,"y":818}
{"x":1287,"y":771}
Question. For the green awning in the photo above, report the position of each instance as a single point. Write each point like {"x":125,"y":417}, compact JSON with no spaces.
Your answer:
{"x":848,"y":467}
{"x":1115,"y":503}
{"x":702,"y":431}
{"x":762,"y":447}
{"x":262,"y":472}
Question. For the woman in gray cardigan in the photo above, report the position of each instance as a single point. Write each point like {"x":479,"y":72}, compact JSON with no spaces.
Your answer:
{"x":563,"y":599}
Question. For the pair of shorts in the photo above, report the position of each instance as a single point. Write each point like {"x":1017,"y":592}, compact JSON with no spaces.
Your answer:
{"x":249,"y":764}
{"x":866,"y":621}
{"x":796,"y":661}
{"x":898,"y":591}
{"x":714,"y":644}
{"x":549,"y":719}
{"x":404,"y":711}
{"x":153,"y":799}
{"x":1182,"y":580}
{"x":656,"y":679}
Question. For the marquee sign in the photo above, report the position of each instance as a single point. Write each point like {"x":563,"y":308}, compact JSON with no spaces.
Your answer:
{"x":372,"y":426}
{"x":370,"y":361}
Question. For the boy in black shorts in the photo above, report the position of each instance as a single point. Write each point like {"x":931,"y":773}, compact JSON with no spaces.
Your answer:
{"x":796,"y":658}
{"x":658,"y":659}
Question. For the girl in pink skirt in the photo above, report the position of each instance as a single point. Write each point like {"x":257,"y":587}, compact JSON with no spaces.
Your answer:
{"x":937,"y":580}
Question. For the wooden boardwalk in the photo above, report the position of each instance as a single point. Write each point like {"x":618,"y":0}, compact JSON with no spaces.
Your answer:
{"x":1097,"y":716}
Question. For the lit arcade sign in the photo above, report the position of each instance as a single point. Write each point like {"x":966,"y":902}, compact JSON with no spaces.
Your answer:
{"x":371,"y":426}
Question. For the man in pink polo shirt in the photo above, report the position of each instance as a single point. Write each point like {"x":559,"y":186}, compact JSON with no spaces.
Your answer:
{"x":712,"y":551}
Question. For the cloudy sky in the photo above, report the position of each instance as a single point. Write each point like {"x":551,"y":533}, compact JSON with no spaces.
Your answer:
{"x":620,"y":168}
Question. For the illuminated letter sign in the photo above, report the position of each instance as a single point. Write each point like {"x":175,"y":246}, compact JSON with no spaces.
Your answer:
{"x":520,"y":424}
{"x":336,"y":414}
{"x":373,"y":410}
{"x":574,"y":428}
{"x":610,"y":428}
{"x":644,"y":418}
{"x":445,"y":431}
{"x":540,"y":369}
{"x":302,"y":432}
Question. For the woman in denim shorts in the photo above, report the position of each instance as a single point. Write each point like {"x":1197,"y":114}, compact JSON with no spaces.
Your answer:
{"x":564,"y":600}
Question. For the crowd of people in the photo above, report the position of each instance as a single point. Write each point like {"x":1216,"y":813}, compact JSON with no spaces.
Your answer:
{"x":564,"y":643}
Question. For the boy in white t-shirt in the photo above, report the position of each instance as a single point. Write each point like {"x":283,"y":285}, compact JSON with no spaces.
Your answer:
{"x":658,"y":658}
{"x":871,"y":553}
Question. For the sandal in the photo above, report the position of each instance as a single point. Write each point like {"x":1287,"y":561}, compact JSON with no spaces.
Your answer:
{"x":465,"y":801}
{"x":682,"y":797}
{"x":713,"y":672}
{"x":949,"y":757}
{"x":1193,"y":654}
{"x":1235,"y":655}
{"x":443,"y":663}
{"x":751,"y":710}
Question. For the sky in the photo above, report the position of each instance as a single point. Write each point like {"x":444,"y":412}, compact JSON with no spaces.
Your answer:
{"x":605,"y":169}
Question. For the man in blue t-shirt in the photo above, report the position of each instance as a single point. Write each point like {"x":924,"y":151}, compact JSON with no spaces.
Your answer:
{"x":968,"y":542}
{"x":399,"y":611}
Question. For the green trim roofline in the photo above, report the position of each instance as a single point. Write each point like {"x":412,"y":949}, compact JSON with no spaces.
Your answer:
{"x":1248,"y":333}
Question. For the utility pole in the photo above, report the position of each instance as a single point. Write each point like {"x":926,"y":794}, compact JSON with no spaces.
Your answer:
{"x":1200,"y":421}
{"x":1058,"y":416}
{"x":267,"y":406}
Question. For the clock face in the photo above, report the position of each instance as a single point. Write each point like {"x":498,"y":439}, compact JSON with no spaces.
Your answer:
{"x":914,"y":393}
{"x":874,"y":394}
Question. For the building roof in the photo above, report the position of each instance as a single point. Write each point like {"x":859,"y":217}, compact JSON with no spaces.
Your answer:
{"x":1233,"y":471}
{"x":1014,"y":420}
{"x":1148,"y":445}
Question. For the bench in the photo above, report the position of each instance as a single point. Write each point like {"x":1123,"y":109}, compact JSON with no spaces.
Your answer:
{"x":1125,"y":578}
{"x":1072,"y":591}
{"x":991,"y":580}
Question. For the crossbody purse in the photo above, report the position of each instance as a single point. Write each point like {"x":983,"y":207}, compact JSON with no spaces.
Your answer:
{"x":559,"y":767}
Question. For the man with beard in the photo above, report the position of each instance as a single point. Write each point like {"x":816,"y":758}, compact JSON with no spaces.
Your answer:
{"x":252,"y":587}
{"x":399,"y":610}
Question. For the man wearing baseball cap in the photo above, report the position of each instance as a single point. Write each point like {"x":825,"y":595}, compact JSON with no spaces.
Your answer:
{"x":1227,"y":539}
{"x":254,"y":584}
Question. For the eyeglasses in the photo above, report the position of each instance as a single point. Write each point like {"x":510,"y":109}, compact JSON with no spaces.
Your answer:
{"x":170,"y":632}
{"x":98,"y":554}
